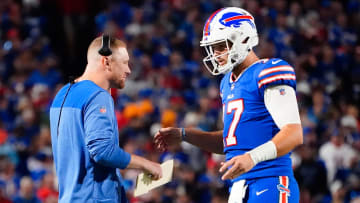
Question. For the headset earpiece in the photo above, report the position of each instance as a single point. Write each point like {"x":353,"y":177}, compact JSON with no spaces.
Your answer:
{"x":105,"y":46}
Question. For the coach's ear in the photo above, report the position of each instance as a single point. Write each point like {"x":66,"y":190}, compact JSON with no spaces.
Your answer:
{"x":105,"y":61}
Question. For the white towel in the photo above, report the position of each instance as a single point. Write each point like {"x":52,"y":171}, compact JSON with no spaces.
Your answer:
{"x":238,"y":192}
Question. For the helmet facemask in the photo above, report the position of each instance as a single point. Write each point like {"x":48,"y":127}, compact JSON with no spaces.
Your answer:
{"x":238,"y":48}
{"x":211,"y":61}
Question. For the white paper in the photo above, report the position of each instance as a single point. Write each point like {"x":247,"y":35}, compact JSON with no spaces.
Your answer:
{"x":144,"y":183}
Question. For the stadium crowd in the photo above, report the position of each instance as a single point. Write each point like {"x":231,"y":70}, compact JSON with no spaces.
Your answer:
{"x":44,"y":42}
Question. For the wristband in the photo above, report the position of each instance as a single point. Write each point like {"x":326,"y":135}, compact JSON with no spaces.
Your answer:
{"x":264,"y":152}
{"x":183,"y":134}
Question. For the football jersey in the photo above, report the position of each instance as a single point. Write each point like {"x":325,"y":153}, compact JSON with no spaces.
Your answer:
{"x":247,"y":122}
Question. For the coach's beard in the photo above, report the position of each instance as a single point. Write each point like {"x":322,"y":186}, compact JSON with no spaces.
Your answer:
{"x":117,"y":83}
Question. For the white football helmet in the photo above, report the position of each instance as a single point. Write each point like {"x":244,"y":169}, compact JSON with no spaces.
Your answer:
{"x":234,"y":26}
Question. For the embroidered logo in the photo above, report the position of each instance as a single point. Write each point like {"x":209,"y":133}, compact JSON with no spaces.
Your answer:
{"x":102,"y":109}
{"x":275,"y":62}
{"x":230,"y":96}
{"x":260,"y":192}
{"x":283,"y":189}
{"x":282,"y":91}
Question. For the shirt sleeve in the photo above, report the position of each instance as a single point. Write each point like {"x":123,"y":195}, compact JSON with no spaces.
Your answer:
{"x":281,"y":103}
{"x":276,"y":72}
{"x":100,"y":133}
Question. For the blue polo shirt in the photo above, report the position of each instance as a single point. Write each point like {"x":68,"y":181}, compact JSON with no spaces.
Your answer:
{"x":86,"y":150}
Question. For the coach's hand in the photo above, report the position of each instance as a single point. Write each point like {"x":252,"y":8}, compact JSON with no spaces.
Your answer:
{"x":237,"y":166}
{"x":153,"y":169}
{"x":167,"y":137}
{"x":149,"y":167}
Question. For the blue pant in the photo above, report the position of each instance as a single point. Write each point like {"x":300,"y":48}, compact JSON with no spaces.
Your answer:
{"x":281,"y":189}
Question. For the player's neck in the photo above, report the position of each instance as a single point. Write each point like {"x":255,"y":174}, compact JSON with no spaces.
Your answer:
{"x":249,"y":60}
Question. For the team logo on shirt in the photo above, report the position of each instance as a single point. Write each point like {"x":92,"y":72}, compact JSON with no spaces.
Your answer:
{"x":283,"y":189}
{"x":230,"y":96}
{"x":282,"y":91}
{"x":102,"y":109}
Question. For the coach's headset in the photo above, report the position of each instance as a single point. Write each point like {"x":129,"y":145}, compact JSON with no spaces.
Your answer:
{"x":105,"y":50}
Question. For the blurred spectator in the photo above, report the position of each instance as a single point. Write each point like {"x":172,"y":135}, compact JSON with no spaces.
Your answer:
{"x":8,"y":178}
{"x":45,"y":74}
{"x":26,"y":192}
{"x":311,"y":173}
{"x":3,"y":198}
{"x":338,"y":192}
{"x":337,"y":155}
{"x":47,"y":191}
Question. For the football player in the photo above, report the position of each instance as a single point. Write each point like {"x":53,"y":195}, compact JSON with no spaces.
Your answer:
{"x":260,"y":112}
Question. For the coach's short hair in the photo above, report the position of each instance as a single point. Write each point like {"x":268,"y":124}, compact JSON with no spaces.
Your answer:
{"x":96,"y":44}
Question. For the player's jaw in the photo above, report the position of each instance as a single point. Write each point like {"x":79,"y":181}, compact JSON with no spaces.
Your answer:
{"x":221,"y":53}
{"x":221,"y":59}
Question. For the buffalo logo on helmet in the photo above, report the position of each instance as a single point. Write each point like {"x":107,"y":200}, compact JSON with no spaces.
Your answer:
{"x":233,"y":19}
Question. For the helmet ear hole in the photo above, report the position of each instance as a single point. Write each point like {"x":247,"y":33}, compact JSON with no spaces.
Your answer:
{"x":245,"y":40}
{"x":229,"y":43}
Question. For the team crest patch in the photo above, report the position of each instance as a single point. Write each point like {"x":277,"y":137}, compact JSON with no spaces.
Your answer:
{"x":282,"y":91}
{"x":283,"y":189}
{"x":102,"y":109}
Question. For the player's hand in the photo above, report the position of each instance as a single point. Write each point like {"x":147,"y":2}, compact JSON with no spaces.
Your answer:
{"x":167,"y":137}
{"x":237,"y":166}
{"x":153,"y":169}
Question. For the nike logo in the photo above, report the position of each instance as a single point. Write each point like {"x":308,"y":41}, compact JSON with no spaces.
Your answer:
{"x":260,"y":192}
{"x":275,"y":62}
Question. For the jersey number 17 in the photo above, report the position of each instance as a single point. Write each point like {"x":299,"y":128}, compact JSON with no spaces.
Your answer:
{"x":238,"y":107}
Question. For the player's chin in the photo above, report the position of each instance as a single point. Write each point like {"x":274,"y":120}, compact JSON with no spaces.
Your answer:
{"x":221,"y":63}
